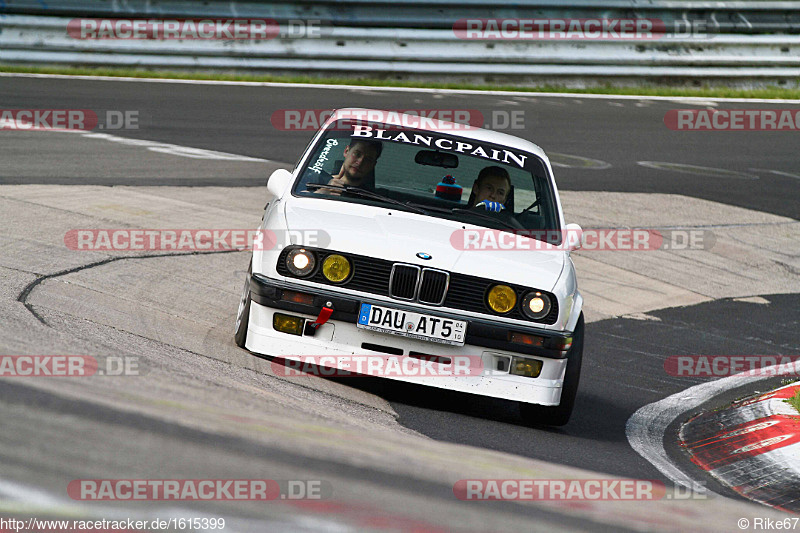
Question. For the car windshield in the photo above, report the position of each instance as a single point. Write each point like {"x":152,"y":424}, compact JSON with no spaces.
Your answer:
{"x":431,"y":173}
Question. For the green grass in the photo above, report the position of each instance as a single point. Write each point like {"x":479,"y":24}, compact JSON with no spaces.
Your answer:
{"x":708,"y":92}
{"x":794,"y":401}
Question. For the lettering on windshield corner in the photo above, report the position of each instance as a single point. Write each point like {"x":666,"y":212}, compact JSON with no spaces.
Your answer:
{"x":442,"y":143}
{"x":323,"y":156}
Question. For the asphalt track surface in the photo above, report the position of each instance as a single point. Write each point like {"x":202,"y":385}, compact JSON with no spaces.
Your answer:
{"x":623,"y":362}
{"x":618,"y":132}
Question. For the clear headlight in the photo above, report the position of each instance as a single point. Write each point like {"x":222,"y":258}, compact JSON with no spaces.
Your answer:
{"x":300,"y":262}
{"x":536,"y":305}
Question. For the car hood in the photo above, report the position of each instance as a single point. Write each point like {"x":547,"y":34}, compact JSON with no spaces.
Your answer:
{"x":397,"y":235}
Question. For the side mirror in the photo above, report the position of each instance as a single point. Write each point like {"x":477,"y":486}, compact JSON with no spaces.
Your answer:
{"x":573,"y":234}
{"x":278,"y":181}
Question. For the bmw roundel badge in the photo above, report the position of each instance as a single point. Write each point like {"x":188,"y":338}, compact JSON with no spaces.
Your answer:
{"x":423,"y":255}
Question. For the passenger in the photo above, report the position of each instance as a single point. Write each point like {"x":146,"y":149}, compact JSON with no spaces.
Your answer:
{"x":491,"y":189}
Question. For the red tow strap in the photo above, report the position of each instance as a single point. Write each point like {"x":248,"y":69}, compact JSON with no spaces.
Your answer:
{"x":323,"y":317}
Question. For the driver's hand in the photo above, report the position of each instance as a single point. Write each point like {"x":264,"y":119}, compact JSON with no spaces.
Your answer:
{"x":494,"y":207}
{"x":333,"y":181}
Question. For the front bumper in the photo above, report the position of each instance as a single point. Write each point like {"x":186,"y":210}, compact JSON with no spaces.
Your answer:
{"x":340,"y":336}
{"x":480,"y":332}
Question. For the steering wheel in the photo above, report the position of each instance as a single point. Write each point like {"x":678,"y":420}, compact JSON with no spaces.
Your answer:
{"x":502,"y":214}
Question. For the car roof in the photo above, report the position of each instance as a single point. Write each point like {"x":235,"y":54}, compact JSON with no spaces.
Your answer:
{"x":473,"y":132}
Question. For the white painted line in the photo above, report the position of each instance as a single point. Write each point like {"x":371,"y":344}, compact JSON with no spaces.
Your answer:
{"x":704,"y":103}
{"x":174,"y":149}
{"x":647,"y":427}
{"x":585,"y":163}
{"x":776,"y":172}
{"x":696,"y":169}
{"x":164,"y":148}
{"x":760,"y":300}
{"x":700,"y":100}
{"x":642,"y":316}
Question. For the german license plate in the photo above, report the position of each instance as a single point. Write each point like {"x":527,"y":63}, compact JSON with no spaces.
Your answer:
{"x":413,"y":325}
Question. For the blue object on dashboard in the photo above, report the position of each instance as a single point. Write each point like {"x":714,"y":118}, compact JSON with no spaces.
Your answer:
{"x":494,"y":207}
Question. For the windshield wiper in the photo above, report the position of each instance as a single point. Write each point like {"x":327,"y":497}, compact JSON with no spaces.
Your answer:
{"x":366,"y":194}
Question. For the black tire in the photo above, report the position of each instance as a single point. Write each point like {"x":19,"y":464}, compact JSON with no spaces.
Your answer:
{"x":558,"y":415}
{"x":243,"y":313}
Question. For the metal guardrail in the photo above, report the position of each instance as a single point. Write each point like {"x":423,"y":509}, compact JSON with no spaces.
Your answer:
{"x":720,"y":17}
{"x":433,"y":54}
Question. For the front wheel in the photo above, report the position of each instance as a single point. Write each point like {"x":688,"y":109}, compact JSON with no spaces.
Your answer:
{"x":558,"y":415}
{"x":243,"y":313}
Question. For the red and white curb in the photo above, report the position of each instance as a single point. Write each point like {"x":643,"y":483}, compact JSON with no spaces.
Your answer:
{"x":752,"y":446}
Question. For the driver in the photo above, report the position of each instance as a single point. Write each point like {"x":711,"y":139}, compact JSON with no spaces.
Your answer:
{"x":360,"y":157}
{"x":491,"y":189}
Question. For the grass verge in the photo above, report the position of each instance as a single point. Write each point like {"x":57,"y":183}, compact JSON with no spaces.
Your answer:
{"x":707,"y":92}
{"x":794,"y":401}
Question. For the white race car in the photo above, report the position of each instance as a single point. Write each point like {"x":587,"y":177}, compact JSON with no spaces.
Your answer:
{"x":437,"y":250}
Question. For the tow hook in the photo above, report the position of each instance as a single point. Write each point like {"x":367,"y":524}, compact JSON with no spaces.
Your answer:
{"x":324,"y":314}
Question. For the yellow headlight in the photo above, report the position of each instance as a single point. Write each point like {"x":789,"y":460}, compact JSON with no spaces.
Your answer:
{"x":530,"y":368}
{"x":502,"y":298}
{"x":292,"y":325}
{"x":336,"y":268}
